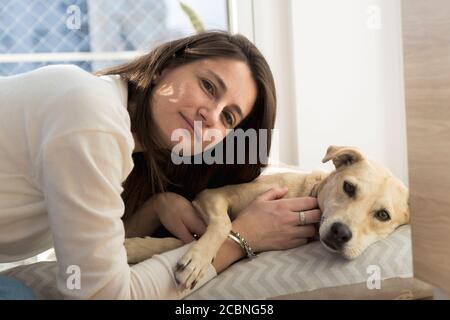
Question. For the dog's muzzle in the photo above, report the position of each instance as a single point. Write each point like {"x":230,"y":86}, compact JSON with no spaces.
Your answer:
{"x":338,"y":235}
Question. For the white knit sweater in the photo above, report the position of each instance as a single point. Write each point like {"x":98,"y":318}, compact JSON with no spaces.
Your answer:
{"x":65,"y":149}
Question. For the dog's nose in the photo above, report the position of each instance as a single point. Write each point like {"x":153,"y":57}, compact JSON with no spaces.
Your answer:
{"x":340,"y":233}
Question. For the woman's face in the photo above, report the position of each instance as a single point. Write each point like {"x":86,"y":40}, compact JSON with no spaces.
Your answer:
{"x":203,"y":98}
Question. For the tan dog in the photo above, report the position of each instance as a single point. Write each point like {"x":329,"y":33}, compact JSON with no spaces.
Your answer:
{"x":361,"y":202}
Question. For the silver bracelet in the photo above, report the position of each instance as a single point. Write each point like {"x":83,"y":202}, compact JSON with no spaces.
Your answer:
{"x":236,"y":237}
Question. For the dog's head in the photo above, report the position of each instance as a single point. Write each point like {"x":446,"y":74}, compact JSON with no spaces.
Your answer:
{"x":361,"y":203}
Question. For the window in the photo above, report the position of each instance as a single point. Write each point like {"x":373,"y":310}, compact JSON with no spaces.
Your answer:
{"x":94,"y":34}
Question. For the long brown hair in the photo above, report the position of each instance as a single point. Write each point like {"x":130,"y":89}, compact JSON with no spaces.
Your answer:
{"x":153,"y":170}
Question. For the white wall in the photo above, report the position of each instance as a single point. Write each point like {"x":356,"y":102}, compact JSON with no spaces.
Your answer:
{"x":273,"y":36}
{"x":339,"y":73}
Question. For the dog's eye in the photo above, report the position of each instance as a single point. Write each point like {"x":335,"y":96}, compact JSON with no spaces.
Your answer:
{"x":349,"y":189}
{"x":382,"y":215}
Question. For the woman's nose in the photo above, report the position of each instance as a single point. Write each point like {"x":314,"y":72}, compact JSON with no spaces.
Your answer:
{"x":210,"y":115}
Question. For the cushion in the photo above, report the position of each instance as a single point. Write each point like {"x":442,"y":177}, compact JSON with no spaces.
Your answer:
{"x":40,"y":277}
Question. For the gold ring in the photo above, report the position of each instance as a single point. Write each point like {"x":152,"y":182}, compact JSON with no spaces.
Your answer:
{"x":302,"y":218}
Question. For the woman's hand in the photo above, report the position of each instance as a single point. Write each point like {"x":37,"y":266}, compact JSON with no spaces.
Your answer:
{"x":179,"y":217}
{"x":272,"y":223}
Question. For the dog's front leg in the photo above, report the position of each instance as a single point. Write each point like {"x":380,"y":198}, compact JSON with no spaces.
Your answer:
{"x":140,"y":249}
{"x":214,"y":210}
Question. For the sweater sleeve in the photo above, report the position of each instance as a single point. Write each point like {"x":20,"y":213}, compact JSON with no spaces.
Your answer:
{"x":81,"y":175}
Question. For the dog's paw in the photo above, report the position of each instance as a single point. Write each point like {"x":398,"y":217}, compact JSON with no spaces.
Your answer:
{"x":191,"y":268}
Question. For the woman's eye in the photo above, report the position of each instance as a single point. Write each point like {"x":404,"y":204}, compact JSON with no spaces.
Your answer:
{"x":229,"y":119}
{"x":382,"y":215}
{"x":349,"y":189}
{"x":208,"y":86}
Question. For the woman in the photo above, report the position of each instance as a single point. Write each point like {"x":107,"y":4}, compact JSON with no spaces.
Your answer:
{"x":80,"y":152}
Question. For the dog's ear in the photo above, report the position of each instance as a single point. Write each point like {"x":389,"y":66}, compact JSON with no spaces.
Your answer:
{"x":343,"y":156}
